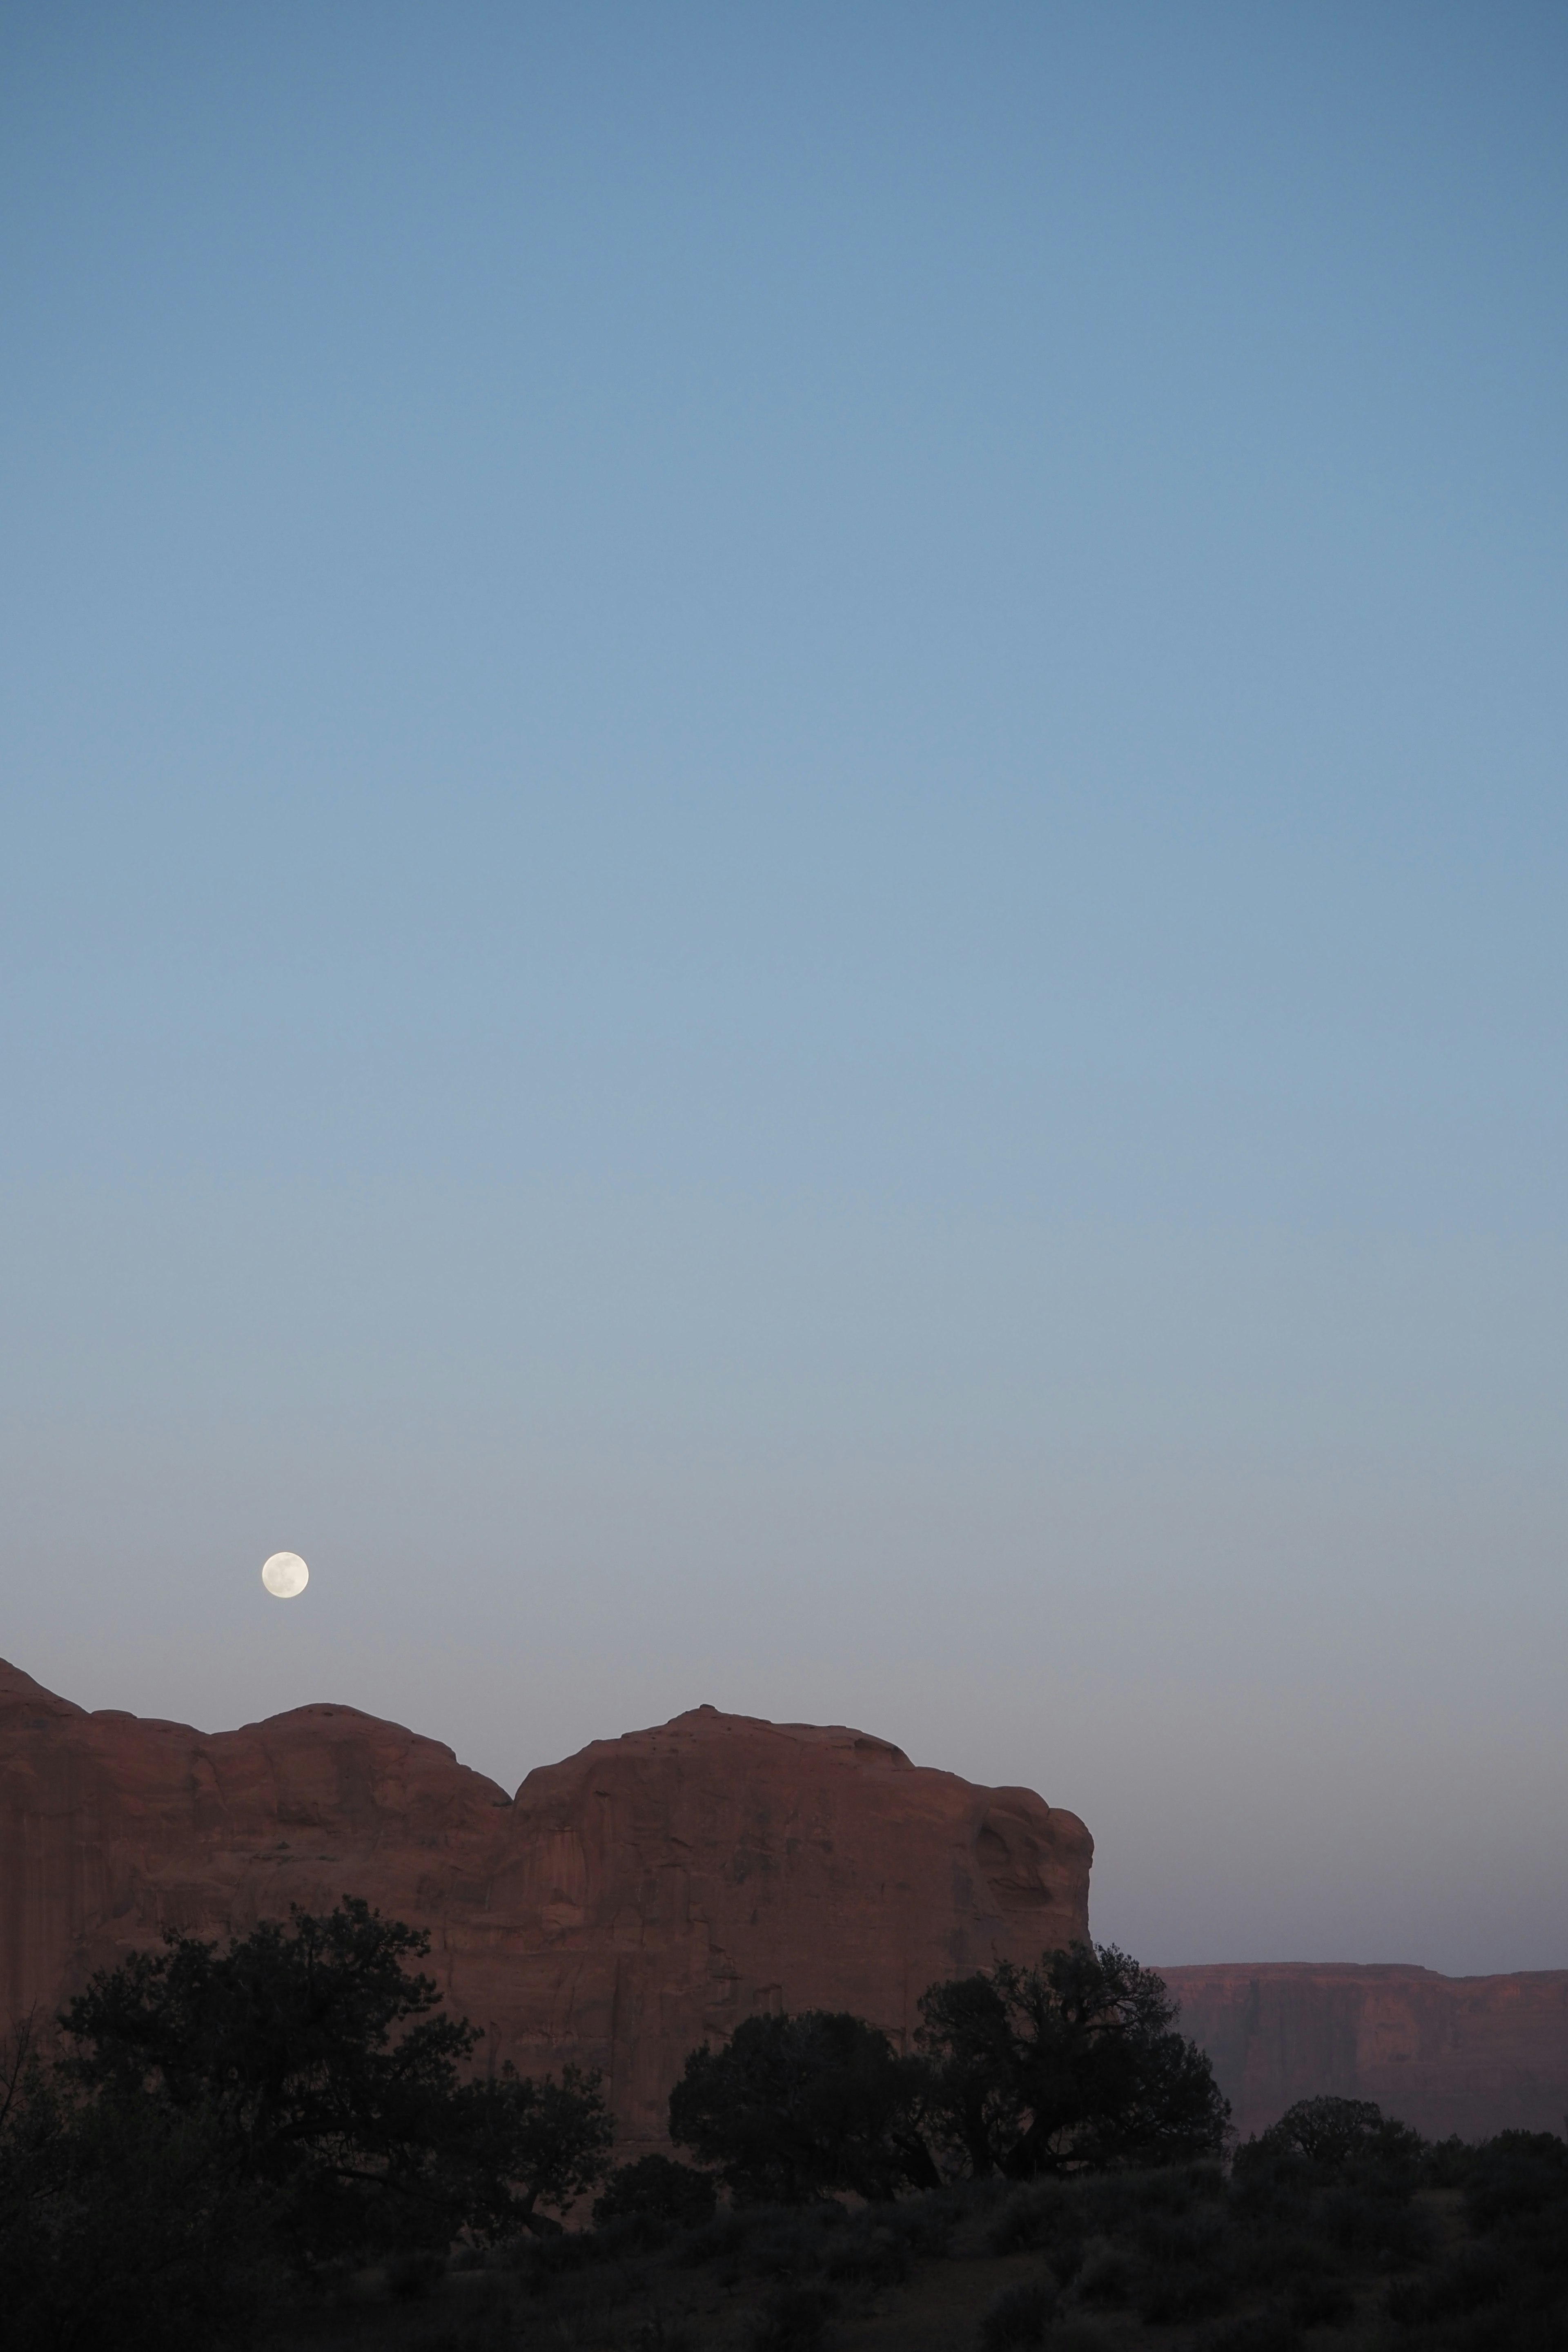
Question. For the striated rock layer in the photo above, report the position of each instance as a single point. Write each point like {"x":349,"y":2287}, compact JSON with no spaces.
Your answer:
{"x":627,"y":1903}
{"x":1467,"y":2055}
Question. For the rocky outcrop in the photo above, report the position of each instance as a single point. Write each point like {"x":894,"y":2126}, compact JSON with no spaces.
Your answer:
{"x":654,"y":1890}
{"x":627,"y":1903}
{"x":1467,"y":2055}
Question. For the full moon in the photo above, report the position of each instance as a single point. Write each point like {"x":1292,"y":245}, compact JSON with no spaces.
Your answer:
{"x":285,"y":1574}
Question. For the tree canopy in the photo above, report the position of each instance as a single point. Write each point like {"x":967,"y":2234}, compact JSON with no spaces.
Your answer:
{"x":319,"y":2063}
{"x":228,"y":2117}
{"x":326,"y":2076}
{"x":1330,"y":2133}
{"x":794,"y":2108}
{"x":1075,"y":2061}
{"x":296,"y":2096}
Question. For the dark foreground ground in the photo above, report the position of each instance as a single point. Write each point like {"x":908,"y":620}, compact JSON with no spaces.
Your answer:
{"x":1190,"y":2260}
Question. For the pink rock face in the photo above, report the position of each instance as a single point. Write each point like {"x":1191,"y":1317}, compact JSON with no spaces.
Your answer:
{"x":1467,"y":2055}
{"x":630,"y":1903}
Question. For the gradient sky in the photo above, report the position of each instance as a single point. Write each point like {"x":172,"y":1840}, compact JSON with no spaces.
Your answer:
{"x":783,"y":904}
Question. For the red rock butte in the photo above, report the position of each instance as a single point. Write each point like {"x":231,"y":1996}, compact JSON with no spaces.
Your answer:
{"x":648,"y":1893}
{"x":626,"y":1905}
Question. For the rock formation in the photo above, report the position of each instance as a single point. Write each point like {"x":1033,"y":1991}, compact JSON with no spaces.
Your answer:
{"x":654,"y":1890}
{"x":627,"y":1903}
{"x":1466,"y":2055}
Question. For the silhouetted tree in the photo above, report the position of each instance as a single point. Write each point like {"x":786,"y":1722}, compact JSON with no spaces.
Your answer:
{"x":119,"y":2222}
{"x":516,"y":2146}
{"x":312,"y":2054}
{"x":1332,"y":2132}
{"x":1073,"y":2062}
{"x":794,"y":2108}
{"x":656,"y":2189}
{"x":313,"y":2062}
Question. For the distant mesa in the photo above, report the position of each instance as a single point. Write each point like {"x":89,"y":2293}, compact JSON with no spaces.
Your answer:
{"x":650,"y":1892}
{"x":1467,"y":2055}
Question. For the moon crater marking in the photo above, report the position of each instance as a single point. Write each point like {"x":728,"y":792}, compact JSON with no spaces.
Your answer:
{"x":284,"y":1575}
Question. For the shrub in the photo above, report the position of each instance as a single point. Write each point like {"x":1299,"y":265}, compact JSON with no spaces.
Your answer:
{"x":926,"y":2224}
{"x":1065,"y":2260}
{"x":1271,"y":2262}
{"x":1471,"y":2278}
{"x":1271,"y":2185}
{"x":630,"y":2233}
{"x":1518,"y":2331}
{"x":413,"y":2275}
{"x":1332,"y":2132}
{"x":783,"y":2247}
{"x":540,"y":2261}
{"x":1298,"y":2271}
{"x":1105,"y":2282}
{"x":1517,"y":2173}
{"x":657,"y":2334}
{"x":1262,"y":2331}
{"x":1447,"y":2163}
{"x":871,"y":2257}
{"x":718,"y":2240}
{"x":659,"y":2188}
{"x":1019,"y":2315}
{"x":1182,"y":2238}
{"x":1120,"y":2201}
{"x":1039,"y":2215}
{"x":1386,"y":2230}
{"x":1320,"y":2300}
{"x":792,"y":2319}
{"x":1173,"y":2293}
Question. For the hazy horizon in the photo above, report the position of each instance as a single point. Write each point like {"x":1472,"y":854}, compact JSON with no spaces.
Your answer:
{"x":781,"y":906}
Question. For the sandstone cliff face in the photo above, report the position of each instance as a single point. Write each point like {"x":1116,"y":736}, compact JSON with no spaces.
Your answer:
{"x":1467,"y":2055}
{"x":628,"y":1903}
{"x":654,"y":1890}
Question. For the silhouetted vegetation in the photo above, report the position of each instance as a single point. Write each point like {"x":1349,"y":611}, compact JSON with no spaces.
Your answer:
{"x":1191,"y":2258}
{"x":794,"y":2108}
{"x":1335,"y":2136}
{"x":1073,"y":2062}
{"x":656,"y":2189}
{"x":156,"y":2186}
{"x":224,"y":2119}
{"x":119,"y":2220}
{"x":1019,"y":2315}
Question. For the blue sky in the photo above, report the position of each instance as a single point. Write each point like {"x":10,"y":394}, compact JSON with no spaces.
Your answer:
{"x":782,"y":914}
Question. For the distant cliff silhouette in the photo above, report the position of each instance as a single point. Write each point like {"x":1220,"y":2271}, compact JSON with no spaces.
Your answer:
{"x":1467,"y":2055}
